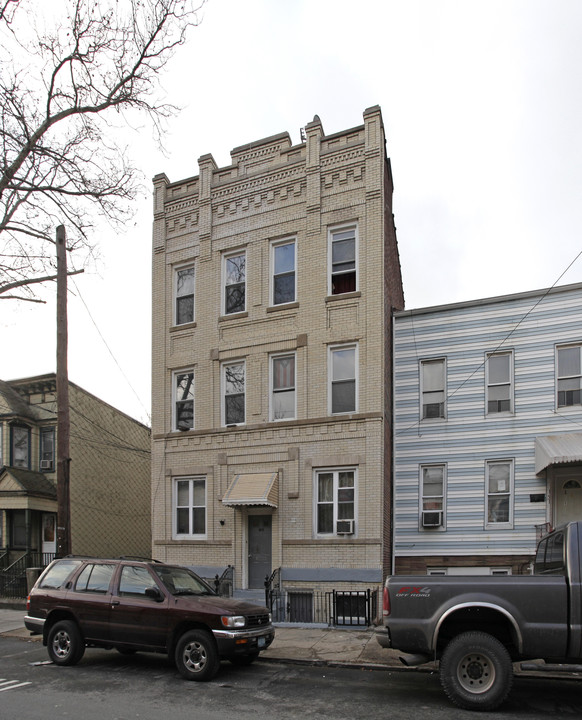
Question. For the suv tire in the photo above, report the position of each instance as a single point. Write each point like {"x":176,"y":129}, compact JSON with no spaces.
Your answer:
{"x":196,"y":656}
{"x":64,"y":643}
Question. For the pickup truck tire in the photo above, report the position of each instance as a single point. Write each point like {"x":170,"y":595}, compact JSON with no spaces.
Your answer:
{"x":476,"y":671}
{"x":65,"y":645}
{"x":196,"y":656}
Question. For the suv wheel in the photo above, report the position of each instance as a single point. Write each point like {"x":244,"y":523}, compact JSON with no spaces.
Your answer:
{"x":65,"y":645}
{"x":196,"y":656}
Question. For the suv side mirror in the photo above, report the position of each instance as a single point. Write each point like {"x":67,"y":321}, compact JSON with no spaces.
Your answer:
{"x":154,"y":593}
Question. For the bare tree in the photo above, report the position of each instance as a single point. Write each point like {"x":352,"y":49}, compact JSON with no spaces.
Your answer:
{"x":66,"y":90}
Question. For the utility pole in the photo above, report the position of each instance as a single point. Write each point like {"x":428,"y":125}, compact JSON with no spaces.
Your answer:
{"x":63,"y":422}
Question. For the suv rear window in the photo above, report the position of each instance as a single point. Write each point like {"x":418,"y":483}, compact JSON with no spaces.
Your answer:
{"x":58,"y":574}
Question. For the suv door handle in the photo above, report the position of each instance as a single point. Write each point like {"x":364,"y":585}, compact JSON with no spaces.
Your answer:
{"x":114,"y":602}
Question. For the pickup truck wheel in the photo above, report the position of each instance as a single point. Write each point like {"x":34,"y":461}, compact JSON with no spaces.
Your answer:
{"x":476,"y":671}
{"x":196,"y":656}
{"x":64,"y":643}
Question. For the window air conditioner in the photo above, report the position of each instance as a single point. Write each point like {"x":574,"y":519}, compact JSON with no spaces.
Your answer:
{"x":46,"y":464}
{"x":432,"y":518}
{"x":345,"y":527}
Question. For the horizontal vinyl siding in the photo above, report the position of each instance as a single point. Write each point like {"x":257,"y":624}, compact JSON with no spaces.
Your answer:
{"x":468,"y":437}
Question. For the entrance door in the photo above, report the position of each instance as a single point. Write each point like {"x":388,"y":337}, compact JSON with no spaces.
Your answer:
{"x":568,"y":497}
{"x":259,"y":550}
{"x":49,"y":534}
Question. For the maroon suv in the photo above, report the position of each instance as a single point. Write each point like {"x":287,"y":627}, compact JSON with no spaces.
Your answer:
{"x":133,"y":605}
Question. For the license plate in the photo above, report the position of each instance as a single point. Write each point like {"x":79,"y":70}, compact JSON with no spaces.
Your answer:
{"x":261,"y":642}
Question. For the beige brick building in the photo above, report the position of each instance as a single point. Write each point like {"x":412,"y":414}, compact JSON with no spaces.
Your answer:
{"x":273,"y":284}
{"x":109,"y":474}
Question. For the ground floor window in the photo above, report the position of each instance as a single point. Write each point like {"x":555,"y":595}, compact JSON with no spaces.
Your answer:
{"x":335,"y":501}
{"x":189,"y":507}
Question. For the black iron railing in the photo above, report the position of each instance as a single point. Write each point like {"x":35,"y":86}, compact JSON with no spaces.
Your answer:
{"x":224,"y":583}
{"x":335,"y":607}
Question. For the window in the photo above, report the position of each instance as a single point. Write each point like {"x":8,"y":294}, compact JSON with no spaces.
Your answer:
{"x":569,"y":376}
{"x":190,"y":507}
{"x":234,"y":274}
{"x":499,"y":383}
{"x":183,"y":400}
{"x":499,"y":483}
{"x":336,"y":502}
{"x":432,"y":381}
{"x":432,"y":478}
{"x":135,"y":580}
{"x":342,"y":261}
{"x":95,"y":578}
{"x":184,"y":288}
{"x":343,"y":390}
{"x":283,"y":264}
{"x":59,"y":573}
{"x":283,"y":387}
{"x":47,"y":448}
{"x":233,"y":390}
{"x":20,"y":446}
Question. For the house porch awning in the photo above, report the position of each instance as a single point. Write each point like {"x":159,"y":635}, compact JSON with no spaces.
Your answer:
{"x":253,"y":489}
{"x":558,"y":450}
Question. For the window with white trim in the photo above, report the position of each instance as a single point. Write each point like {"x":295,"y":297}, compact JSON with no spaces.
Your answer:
{"x":499,"y":378}
{"x":183,"y":394}
{"x":47,"y":448}
{"x":569,"y":379}
{"x":233,"y":393}
{"x":342,"y":260}
{"x":20,"y":450}
{"x":432,"y":388}
{"x":283,"y":272}
{"x":343,"y":367}
{"x":184,"y":295}
{"x":283,"y":387}
{"x":335,"y":506}
{"x":432,"y":494}
{"x":189,"y":507}
{"x":234,"y":275}
{"x":499,"y":486}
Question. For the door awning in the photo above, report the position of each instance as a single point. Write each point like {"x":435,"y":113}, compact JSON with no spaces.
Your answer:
{"x":253,"y":489}
{"x":558,"y":450}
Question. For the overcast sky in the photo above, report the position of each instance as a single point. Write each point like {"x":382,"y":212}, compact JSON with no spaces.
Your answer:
{"x":482,"y":106}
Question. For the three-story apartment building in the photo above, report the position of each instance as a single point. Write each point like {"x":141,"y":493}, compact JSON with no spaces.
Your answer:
{"x":274,"y":280}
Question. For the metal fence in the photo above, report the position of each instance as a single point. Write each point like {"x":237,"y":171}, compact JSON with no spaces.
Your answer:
{"x":336,"y":607}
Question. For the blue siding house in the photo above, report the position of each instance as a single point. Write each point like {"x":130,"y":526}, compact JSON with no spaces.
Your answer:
{"x":487,"y":430}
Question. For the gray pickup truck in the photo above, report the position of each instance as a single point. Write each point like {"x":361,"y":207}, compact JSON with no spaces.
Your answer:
{"x":478,"y":626}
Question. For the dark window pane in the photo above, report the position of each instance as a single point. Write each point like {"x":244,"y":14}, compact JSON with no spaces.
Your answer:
{"x":499,"y":509}
{"x":198,"y":520}
{"x":343,"y":283}
{"x":185,"y":415}
{"x":182,"y":526}
{"x":284,"y":289}
{"x":234,"y":409}
{"x":235,"y":298}
{"x":343,"y":396}
{"x":325,"y":518}
{"x":184,"y":309}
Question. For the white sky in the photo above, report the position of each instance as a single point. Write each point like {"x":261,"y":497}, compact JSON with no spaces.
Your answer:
{"x":482,"y":105}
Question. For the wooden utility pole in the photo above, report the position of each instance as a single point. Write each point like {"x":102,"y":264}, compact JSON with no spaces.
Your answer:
{"x":63,"y":422}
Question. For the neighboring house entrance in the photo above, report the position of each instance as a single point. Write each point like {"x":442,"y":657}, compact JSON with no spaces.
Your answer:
{"x":259,"y":549}
{"x":49,"y":533}
{"x":567,"y":496}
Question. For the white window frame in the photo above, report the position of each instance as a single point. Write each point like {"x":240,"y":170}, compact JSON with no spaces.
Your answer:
{"x":274,"y":245}
{"x":491,"y":525}
{"x":47,"y":454}
{"x":223,"y":393}
{"x":26,"y":431}
{"x":575,"y":377}
{"x":442,"y":499}
{"x":177,"y":271}
{"x":176,"y":400}
{"x":273,"y":392}
{"x":225,"y":259}
{"x":489,"y":384}
{"x":335,"y":471}
{"x":422,"y":364}
{"x":333,"y":233}
{"x":191,"y":479}
{"x":332,"y":380}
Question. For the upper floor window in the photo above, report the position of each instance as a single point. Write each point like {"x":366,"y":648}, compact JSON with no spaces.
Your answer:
{"x":569,"y":375}
{"x":183,"y":400}
{"x":432,"y":478}
{"x":342,"y":261}
{"x":190,"y":506}
{"x":283,"y":387}
{"x":432,"y":388}
{"x":184,"y":295}
{"x":499,"y":372}
{"x":499,"y":483}
{"x":47,"y":448}
{"x":283,"y":269}
{"x":234,"y":278}
{"x":233,"y":393}
{"x":20,"y":446}
{"x":335,"y":501}
{"x":343,"y":379}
